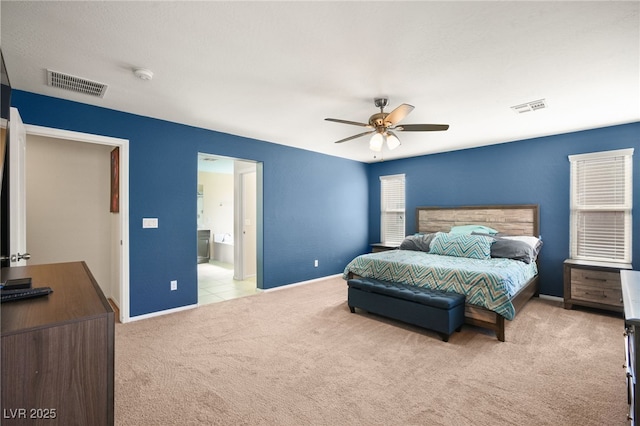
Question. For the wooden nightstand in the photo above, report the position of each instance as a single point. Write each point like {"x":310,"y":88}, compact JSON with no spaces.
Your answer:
{"x":593,"y":284}
{"x":378,"y":247}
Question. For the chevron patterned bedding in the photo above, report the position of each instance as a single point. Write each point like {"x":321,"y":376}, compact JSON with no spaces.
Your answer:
{"x":489,"y":283}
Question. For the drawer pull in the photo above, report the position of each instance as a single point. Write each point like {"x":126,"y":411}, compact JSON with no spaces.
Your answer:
{"x":594,"y":279}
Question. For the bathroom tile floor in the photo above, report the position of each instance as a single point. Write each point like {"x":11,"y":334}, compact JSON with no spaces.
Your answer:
{"x":216,"y":283}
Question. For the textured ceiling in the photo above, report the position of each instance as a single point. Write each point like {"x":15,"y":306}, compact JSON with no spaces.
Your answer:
{"x":274,"y":70}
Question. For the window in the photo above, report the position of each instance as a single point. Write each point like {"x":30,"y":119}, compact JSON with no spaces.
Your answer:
{"x":601,"y":203}
{"x":392,"y":209}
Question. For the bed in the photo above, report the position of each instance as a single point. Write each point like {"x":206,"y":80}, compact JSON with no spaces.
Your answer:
{"x":495,"y":288}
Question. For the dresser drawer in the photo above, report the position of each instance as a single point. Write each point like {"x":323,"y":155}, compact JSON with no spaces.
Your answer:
{"x":596,"y":286}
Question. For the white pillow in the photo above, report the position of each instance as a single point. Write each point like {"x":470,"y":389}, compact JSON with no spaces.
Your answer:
{"x":532,"y":241}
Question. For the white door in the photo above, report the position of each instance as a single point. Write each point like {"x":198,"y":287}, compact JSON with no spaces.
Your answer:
{"x":17,"y":191}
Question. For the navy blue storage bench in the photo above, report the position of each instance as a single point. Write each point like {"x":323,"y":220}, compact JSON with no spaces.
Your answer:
{"x":436,"y":310}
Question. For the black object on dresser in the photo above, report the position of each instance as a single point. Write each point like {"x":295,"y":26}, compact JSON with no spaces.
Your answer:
{"x":630,"y":281}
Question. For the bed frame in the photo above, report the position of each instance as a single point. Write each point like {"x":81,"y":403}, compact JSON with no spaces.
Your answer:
{"x":513,"y":219}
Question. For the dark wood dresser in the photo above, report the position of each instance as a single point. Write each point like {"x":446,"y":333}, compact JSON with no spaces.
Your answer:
{"x":57,"y":351}
{"x":631,"y":298}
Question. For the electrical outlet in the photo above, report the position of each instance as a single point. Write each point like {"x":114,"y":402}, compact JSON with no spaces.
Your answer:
{"x":315,"y":263}
{"x":174,"y":285}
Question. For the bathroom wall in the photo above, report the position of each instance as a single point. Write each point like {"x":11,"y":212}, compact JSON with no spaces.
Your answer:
{"x":217,"y":202}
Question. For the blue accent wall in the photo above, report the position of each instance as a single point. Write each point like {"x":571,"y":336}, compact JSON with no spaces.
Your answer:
{"x":317,"y":206}
{"x":314,"y":206}
{"x":533,"y":171}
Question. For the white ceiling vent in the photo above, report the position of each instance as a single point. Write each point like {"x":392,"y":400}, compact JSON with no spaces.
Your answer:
{"x":530,"y":106}
{"x":75,"y":84}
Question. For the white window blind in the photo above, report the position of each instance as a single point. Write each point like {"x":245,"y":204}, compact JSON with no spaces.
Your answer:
{"x":392,"y":209}
{"x":601,"y":205}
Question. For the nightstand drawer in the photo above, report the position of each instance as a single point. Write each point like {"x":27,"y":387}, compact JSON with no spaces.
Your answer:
{"x":608,"y":296}
{"x":595,"y":278}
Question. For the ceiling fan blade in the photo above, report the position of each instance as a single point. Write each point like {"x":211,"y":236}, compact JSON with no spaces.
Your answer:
{"x":355,"y":136}
{"x":422,"y":127}
{"x":354,"y":123}
{"x":398,"y":114}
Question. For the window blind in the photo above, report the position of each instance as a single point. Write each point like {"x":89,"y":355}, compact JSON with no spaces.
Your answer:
{"x":601,"y":206}
{"x":392,"y":195}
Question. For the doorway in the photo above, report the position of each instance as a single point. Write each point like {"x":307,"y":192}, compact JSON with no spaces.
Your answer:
{"x":227,"y":228}
{"x":117,"y":286}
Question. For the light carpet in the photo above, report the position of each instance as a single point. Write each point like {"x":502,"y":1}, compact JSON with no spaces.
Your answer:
{"x":297,"y":356}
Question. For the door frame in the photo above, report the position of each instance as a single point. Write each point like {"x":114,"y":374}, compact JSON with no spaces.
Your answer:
{"x":259,"y":171}
{"x":123,"y":144}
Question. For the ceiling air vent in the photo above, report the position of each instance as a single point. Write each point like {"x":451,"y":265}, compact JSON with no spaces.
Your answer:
{"x":75,"y":84}
{"x":530,"y":106}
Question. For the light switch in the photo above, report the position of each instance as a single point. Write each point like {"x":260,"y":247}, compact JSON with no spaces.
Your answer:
{"x":149,"y":222}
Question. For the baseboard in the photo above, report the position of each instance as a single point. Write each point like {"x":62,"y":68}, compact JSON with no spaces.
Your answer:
{"x":159,"y":313}
{"x":116,"y":309}
{"x":114,"y":302}
{"x":282,"y":287}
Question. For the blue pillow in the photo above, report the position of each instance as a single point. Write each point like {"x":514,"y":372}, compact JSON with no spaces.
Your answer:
{"x":462,"y":245}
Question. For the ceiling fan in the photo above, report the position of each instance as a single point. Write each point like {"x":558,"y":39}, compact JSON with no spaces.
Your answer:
{"x":382,"y":124}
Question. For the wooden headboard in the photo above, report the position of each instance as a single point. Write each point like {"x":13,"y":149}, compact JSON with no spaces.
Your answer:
{"x":510,"y":219}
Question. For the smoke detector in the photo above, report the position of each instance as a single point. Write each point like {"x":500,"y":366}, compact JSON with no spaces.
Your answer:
{"x":143,"y":73}
{"x":530,"y":106}
{"x":75,"y":84}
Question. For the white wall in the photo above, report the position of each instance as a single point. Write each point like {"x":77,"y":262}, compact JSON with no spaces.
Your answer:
{"x":68,"y":218}
{"x":217,"y":202}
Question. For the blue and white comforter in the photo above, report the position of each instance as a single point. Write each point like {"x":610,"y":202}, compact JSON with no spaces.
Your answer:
{"x":488,"y":283}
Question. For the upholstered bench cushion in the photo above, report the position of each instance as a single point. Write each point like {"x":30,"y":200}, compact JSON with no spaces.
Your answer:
{"x":424,"y":296}
{"x":437,"y":310}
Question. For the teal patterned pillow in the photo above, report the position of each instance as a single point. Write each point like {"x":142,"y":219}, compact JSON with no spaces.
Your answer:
{"x":462,"y":245}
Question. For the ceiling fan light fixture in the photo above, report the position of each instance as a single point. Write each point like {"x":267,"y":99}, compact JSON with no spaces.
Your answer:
{"x":376,"y":142}
{"x":392,"y":141}
{"x":381,"y":124}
